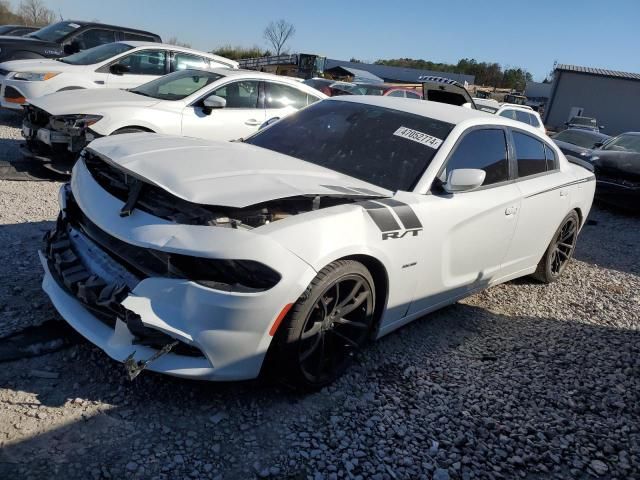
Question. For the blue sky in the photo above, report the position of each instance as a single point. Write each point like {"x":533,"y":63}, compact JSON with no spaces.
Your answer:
{"x":529,"y":34}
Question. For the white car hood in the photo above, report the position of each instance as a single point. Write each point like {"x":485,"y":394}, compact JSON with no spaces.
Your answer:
{"x":41,"y":65}
{"x":223,"y":173}
{"x":92,"y":101}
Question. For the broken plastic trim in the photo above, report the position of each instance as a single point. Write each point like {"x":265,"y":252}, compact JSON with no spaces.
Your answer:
{"x":134,"y":368}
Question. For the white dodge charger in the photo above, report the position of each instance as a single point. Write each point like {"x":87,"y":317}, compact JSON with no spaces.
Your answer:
{"x":329,"y":228}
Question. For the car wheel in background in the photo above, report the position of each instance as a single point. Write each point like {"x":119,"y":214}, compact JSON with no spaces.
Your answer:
{"x":560,"y":250}
{"x":328,"y":325}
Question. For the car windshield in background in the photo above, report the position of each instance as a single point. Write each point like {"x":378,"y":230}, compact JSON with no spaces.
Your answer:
{"x":624,"y":143}
{"x":581,"y":138}
{"x":96,"y":54}
{"x":586,"y":121}
{"x":177,"y":85}
{"x":55,"y":32}
{"x":384,"y":147}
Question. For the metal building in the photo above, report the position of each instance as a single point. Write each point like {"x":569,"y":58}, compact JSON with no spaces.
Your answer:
{"x":612,"y":97}
{"x":397,"y":74}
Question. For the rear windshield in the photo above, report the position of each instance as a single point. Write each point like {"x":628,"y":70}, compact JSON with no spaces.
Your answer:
{"x":96,"y":54}
{"x":576,"y":137}
{"x":55,"y":32}
{"x":384,"y":147}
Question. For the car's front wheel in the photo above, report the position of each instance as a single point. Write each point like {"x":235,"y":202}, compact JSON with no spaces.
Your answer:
{"x":328,"y":325}
{"x":560,"y":250}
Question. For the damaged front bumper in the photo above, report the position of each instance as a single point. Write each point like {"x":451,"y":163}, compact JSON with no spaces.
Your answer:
{"x":54,"y":139}
{"x":221,"y":335}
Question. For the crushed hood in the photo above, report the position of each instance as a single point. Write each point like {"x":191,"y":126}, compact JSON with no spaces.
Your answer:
{"x":224,"y":173}
{"x":90,"y":101}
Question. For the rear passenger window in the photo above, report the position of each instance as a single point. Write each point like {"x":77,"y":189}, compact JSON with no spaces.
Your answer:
{"x":396,"y":93}
{"x":530,"y":153}
{"x":508,"y":114}
{"x":282,"y":96}
{"x":523,"y":117}
{"x":183,"y":61}
{"x":483,"y":149}
{"x":534,"y":120}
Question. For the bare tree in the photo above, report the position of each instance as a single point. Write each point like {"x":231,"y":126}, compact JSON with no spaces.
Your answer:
{"x":277,"y":34}
{"x":174,"y":41}
{"x":34,"y":12}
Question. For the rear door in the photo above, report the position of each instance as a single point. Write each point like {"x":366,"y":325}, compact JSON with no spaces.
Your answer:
{"x":545,"y":200}
{"x":241,"y":117}
{"x":467,"y":234}
{"x":143,"y":66}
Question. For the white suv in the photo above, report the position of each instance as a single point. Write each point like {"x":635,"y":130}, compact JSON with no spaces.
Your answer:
{"x":114,"y":65}
{"x":521,"y":113}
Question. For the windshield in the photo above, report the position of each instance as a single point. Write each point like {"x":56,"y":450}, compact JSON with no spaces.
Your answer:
{"x":581,"y":138}
{"x":54,"y":32}
{"x":96,"y":54}
{"x":586,"y":121}
{"x":384,"y":147}
{"x":624,"y":143}
{"x":177,"y":85}
{"x":6,"y":28}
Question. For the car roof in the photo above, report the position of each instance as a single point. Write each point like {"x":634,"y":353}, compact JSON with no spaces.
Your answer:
{"x":440,"y":111}
{"x":168,"y":46}
{"x":83,"y":23}
{"x":254,"y":73}
{"x":582,"y":131}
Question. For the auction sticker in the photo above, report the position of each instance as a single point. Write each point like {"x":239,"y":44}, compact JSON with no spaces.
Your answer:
{"x":419,"y":137}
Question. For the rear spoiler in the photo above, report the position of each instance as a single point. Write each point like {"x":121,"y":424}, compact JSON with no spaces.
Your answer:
{"x":580,"y":162}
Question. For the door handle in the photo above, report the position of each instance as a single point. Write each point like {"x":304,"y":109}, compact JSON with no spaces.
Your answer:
{"x":510,"y":210}
{"x":564,"y":193}
{"x":253,"y":122}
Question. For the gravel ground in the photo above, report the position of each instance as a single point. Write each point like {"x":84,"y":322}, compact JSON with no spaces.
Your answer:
{"x":521,"y":381}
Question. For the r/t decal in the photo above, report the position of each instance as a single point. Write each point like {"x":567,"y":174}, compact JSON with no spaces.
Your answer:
{"x":413,"y":233}
{"x":394,"y":219}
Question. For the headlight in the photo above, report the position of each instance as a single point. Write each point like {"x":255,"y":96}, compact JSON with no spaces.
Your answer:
{"x":73,"y":121}
{"x":34,"y":76}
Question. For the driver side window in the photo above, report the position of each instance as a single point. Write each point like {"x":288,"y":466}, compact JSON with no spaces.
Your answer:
{"x":242,"y":94}
{"x":483,"y":149}
{"x":145,"y":62}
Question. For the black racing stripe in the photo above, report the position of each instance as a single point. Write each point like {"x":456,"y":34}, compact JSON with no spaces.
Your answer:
{"x":366,"y":191}
{"x":337,"y":188}
{"x":381,"y":215}
{"x":405,"y":213}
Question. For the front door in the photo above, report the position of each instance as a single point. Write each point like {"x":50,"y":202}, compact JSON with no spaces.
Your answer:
{"x":472,"y":231}
{"x":241,"y":116}
{"x":143,"y":66}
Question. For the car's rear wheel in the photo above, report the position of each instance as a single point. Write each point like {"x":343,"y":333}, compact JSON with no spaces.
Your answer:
{"x":560,"y":250}
{"x":328,"y":325}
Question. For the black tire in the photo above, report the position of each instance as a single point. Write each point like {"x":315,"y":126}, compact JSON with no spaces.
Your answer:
{"x":560,"y":250}
{"x":130,"y":130}
{"x":316,"y":344}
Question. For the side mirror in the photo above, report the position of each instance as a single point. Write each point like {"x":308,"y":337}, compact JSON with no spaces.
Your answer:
{"x":464,"y":180}
{"x":119,"y":69}
{"x":269,"y":122}
{"x":213,"y":102}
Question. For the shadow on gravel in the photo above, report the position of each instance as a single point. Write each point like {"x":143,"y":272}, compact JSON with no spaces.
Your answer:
{"x":611,"y":239}
{"x":533,"y":395}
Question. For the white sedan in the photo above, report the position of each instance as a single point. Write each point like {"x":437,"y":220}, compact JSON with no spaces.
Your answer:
{"x":114,"y":65}
{"x":217,"y":104}
{"x":329,"y":228}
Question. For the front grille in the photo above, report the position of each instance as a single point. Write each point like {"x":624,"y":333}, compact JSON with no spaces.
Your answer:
{"x":11,"y":92}
{"x":98,"y":296}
